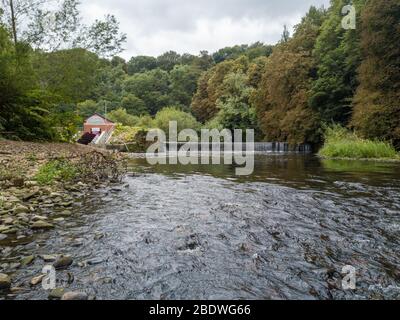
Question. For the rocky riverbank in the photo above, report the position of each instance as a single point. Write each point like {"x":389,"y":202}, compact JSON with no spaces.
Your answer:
{"x":39,"y":185}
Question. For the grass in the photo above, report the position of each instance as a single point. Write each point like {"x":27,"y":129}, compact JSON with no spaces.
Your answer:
{"x":342,"y":143}
{"x":56,"y":170}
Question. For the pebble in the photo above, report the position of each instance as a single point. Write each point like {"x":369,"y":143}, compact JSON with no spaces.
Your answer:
{"x":41,"y":225}
{"x":74,"y":296}
{"x":56,"y":293}
{"x":36,"y":280}
{"x":63,"y":262}
{"x":48,"y":257}
{"x":27,"y":260}
{"x":5,"y":281}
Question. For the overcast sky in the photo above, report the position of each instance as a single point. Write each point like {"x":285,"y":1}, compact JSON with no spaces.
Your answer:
{"x":156,"y":26}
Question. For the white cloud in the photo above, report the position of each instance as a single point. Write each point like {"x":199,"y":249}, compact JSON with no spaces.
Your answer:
{"x":156,"y":26}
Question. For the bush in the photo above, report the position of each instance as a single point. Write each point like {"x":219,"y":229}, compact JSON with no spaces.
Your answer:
{"x":342,"y":143}
{"x":123,"y":117}
{"x":185,"y":120}
{"x":56,"y":170}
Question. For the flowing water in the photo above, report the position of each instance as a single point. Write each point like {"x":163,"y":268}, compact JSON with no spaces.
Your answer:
{"x":200,"y":232}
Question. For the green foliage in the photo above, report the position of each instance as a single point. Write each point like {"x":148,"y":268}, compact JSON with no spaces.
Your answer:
{"x":338,"y":56}
{"x":70,"y":74}
{"x":123,"y":117}
{"x":185,"y":120}
{"x":235,"y":111}
{"x":56,"y":170}
{"x":141,"y":64}
{"x":134,"y":105}
{"x":376,"y":103}
{"x":342,"y":143}
{"x":151,"y":87}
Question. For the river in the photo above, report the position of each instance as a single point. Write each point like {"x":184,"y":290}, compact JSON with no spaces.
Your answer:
{"x":200,"y":232}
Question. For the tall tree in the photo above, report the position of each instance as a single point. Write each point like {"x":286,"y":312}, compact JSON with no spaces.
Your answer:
{"x":47,"y":29}
{"x":337,"y":54}
{"x":376,"y":104}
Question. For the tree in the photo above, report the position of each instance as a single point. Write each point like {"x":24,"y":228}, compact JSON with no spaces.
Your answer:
{"x":141,"y":64}
{"x":33,"y":22}
{"x":376,"y":103}
{"x":123,"y":117}
{"x":337,"y":54}
{"x":185,"y":120}
{"x":133,"y":105}
{"x":234,"y":108}
{"x":168,"y":60}
{"x":151,"y":87}
{"x":281,"y":99}
{"x":183,"y":80}
{"x":87,"y":108}
{"x":71,"y":74}
{"x":210,"y":87}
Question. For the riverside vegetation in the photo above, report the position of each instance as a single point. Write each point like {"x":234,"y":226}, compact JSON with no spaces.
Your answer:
{"x":321,"y":74}
{"x":39,"y":185}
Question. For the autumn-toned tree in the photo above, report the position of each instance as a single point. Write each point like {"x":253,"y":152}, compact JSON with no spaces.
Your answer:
{"x":282,"y":97}
{"x":210,"y":87}
{"x":376,"y":104}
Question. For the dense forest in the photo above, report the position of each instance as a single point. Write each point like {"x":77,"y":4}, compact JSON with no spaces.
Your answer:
{"x":56,"y":71}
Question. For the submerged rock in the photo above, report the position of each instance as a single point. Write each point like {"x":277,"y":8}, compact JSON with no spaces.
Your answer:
{"x":75,"y":296}
{"x":36,"y":280}
{"x":48,"y":257}
{"x":63,"y":262}
{"x":56,"y":293}
{"x":5,"y":281}
{"x":27,"y":260}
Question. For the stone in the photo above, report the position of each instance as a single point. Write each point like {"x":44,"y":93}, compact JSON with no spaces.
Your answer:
{"x":30,"y":195}
{"x":21,"y":209}
{"x":10,"y":231}
{"x":59,"y":220}
{"x":8,"y":220}
{"x":5,"y":282}
{"x":27,"y":260}
{"x":36,"y":280}
{"x":41,"y":225}
{"x":17,"y":290}
{"x":3,"y":237}
{"x":56,"y":293}
{"x":74,"y":296}
{"x":65,"y":213}
{"x":63,"y":262}
{"x":39,"y":218}
{"x":49,"y":257}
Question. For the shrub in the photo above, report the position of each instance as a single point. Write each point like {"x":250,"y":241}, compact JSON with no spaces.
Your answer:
{"x":342,"y":143}
{"x":56,"y":170}
{"x":185,"y":120}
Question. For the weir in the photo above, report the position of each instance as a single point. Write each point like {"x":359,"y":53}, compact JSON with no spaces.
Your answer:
{"x":262,"y":147}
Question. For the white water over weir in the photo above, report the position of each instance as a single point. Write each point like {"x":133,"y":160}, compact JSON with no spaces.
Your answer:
{"x":258,"y":147}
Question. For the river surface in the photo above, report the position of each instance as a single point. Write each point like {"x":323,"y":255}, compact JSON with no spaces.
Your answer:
{"x":200,"y":232}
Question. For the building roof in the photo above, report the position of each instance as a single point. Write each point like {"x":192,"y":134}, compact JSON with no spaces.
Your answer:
{"x":101,"y":116}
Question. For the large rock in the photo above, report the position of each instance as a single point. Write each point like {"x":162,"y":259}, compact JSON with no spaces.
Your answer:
{"x":27,"y":260}
{"x":74,"y":296}
{"x":56,"y":293}
{"x":21,"y":209}
{"x":5,"y":282}
{"x":38,"y":225}
{"x":36,"y":280}
{"x":63,"y":262}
